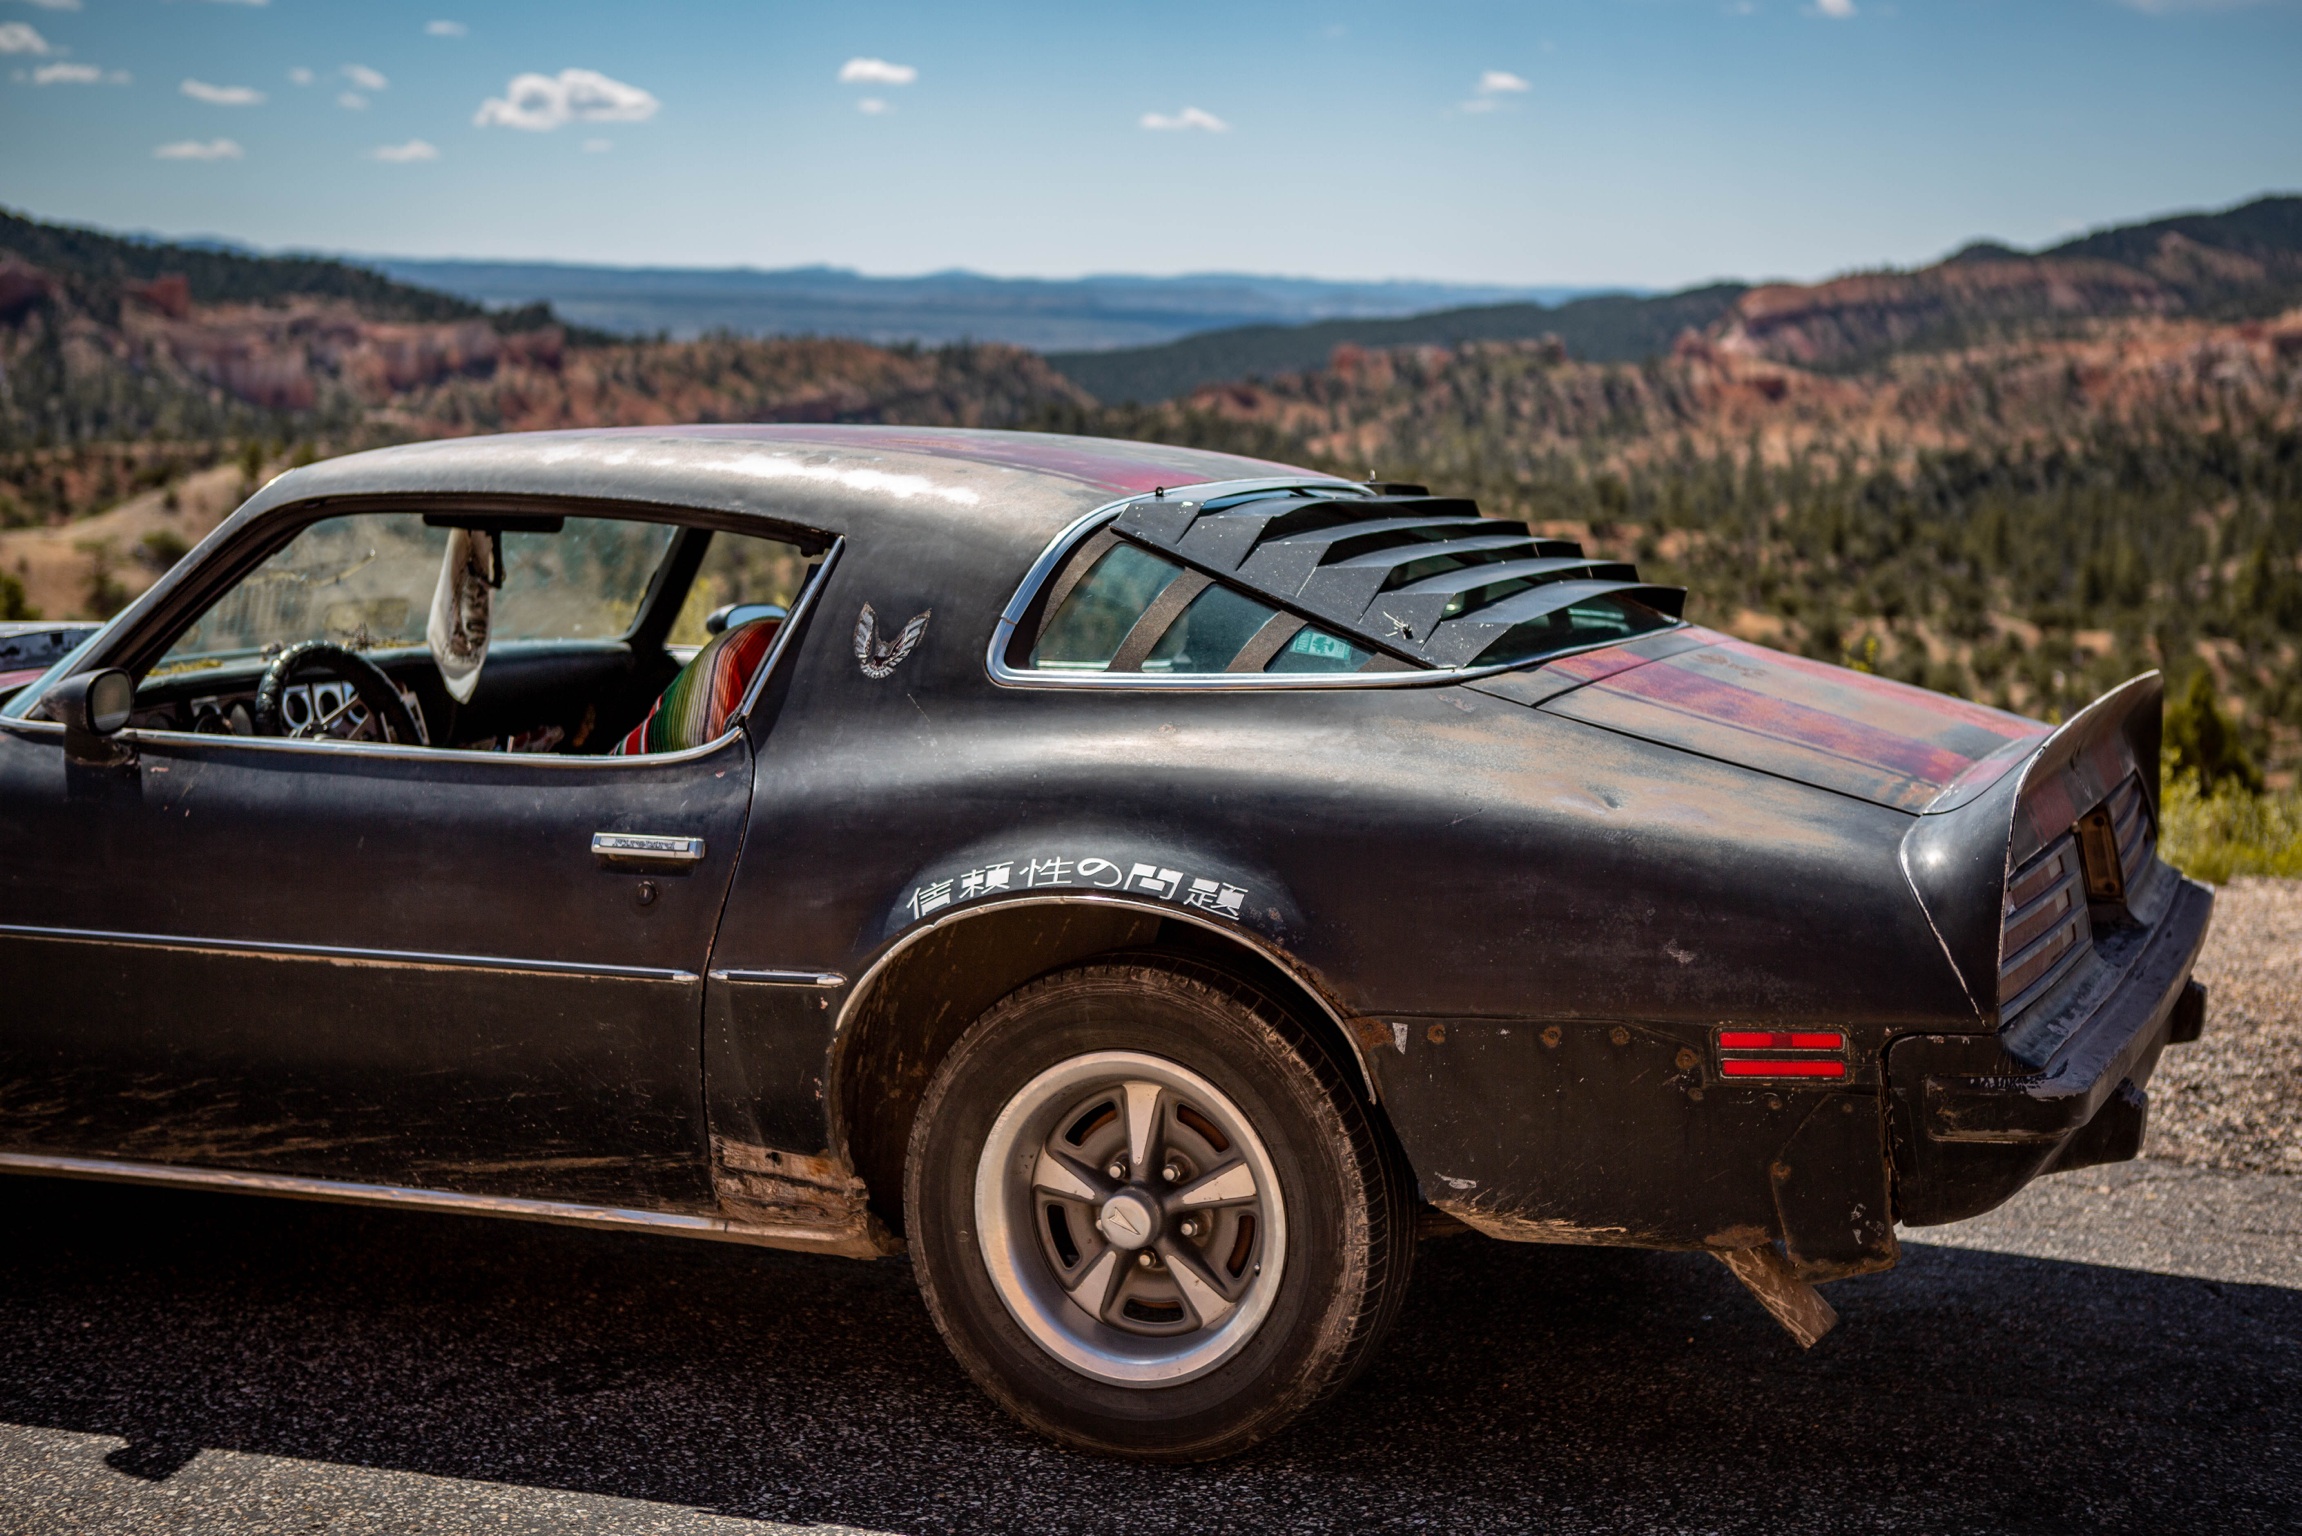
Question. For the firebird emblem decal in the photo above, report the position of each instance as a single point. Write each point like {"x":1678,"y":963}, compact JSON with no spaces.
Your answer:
{"x":879,"y":657}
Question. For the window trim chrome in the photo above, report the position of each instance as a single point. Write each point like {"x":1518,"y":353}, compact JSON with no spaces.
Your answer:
{"x":1060,"y":548}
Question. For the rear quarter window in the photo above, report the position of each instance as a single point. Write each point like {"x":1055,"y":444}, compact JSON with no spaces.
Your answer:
{"x":1136,"y":612}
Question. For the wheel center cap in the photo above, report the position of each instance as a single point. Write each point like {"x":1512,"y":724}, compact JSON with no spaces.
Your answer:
{"x":1128,"y":1219}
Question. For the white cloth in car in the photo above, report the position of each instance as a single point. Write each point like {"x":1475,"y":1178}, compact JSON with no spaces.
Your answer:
{"x":458,"y":632}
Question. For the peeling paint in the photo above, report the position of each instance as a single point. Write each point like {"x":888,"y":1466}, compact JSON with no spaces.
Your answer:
{"x":1515,"y":1228}
{"x":766,"y":1191}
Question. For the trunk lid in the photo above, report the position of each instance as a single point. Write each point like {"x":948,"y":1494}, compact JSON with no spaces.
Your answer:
{"x":1836,"y":729}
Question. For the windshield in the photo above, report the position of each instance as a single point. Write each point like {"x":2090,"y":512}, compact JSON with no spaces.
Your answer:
{"x":365,"y":581}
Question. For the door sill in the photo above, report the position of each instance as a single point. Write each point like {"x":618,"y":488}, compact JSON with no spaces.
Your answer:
{"x":844,"y":1240}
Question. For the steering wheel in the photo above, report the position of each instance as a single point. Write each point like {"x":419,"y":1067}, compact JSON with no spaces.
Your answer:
{"x":385,"y":710}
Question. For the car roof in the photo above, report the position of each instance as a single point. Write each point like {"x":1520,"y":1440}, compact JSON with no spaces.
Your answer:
{"x":1019,"y":486}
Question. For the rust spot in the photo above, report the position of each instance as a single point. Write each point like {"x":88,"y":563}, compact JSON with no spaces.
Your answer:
{"x":765,"y":1191}
{"x":1515,"y":1228}
{"x":1436,"y":1034}
{"x":1687,"y":1059}
{"x":1619,"y":1035}
{"x":1737,"y":1237}
{"x":1552,"y":1037}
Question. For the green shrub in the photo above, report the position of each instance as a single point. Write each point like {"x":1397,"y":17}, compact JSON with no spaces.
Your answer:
{"x":2202,"y":745}
{"x":2232,"y":830}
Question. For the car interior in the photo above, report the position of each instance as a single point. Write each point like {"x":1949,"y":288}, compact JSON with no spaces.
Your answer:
{"x":591,"y":635}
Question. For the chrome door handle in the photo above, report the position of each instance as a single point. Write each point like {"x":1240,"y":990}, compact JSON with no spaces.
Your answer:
{"x":645,"y":848}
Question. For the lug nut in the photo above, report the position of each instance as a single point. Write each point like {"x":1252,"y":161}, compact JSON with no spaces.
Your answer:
{"x":1117,"y":1170}
{"x":1144,"y":1258}
{"x":1170,"y":1173}
{"x":1190,"y":1226}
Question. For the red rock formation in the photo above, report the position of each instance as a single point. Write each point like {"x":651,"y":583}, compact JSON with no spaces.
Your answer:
{"x":170,"y":293}
{"x":21,"y":287}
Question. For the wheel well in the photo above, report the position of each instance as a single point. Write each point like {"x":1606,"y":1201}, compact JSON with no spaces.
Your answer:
{"x":923,"y":998}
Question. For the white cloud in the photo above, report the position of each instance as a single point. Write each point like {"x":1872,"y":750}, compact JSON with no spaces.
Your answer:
{"x":1497,"y":81}
{"x":19,"y":37}
{"x":871,"y":106}
{"x":405,"y":154}
{"x":194,"y":149}
{"x":301,"y":76}
{"x":540,"y":103}
{"x":445,"y":29}
{"x":1836,"y":10}
{"x":222,"y":95}
{"x":1189,"y":117}
{"x":77,"y":74}
{"x":598,"y":146}
{"x":861,"y":71}
{"x":365,"y":78}
{"x":352,"y":101}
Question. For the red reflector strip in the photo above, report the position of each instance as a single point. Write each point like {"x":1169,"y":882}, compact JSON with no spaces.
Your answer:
{"x":1748,"y":1068}
{"x":1775,"y":1040}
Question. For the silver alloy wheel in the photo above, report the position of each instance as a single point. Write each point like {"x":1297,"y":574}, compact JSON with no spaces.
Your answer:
{"x":1130,"y":1218}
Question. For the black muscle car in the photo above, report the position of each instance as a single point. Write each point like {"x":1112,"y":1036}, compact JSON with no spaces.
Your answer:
{"x":1148,"y":884}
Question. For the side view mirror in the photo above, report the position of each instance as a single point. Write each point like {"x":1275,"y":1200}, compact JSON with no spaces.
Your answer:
{"x":94,"y":707}
{"x":729,"y":617}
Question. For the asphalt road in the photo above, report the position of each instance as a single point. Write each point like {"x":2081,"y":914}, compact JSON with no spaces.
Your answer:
{"x":2119,"y":1351}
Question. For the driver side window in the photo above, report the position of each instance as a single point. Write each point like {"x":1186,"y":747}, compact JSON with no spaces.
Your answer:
{"x":531,"y":633}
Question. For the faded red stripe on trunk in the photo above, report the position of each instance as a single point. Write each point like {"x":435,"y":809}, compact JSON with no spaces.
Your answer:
{"x":1714,"y":698}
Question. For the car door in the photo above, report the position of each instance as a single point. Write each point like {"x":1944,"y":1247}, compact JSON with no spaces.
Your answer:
{"x":464,"y":970}
{"x":359,"y":963}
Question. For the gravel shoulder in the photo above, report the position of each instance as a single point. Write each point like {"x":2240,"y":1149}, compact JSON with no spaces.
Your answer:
{"x":2234,"y":1099}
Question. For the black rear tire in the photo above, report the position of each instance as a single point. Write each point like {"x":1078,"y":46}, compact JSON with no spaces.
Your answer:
{"x":1348,"y":1212}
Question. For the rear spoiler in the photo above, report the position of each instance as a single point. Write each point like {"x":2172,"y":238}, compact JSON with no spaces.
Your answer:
{"x":1959,"y":852}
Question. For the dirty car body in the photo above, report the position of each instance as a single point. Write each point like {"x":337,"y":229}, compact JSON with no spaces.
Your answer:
{"x":1625,"y":931}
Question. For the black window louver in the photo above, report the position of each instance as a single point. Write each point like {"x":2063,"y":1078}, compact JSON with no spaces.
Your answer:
{"x":1425,"y":577}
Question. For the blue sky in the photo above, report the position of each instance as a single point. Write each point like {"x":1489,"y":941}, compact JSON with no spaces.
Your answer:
{"x":1653,"y":142}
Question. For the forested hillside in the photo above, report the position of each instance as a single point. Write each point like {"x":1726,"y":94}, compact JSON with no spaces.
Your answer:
{"x":2243,"y":263}
{"x":1606,"y":328}
{"x":2024,"y":525}
{"x":145,"y":388}
{"x":2019,"y":478}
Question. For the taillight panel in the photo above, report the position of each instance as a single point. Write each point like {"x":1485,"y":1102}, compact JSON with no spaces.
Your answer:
{"x":1807,"y":1053}
{"x":2045,"y":926}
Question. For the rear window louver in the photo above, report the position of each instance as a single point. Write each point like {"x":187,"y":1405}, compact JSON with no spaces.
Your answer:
{"x":1422,"y":576}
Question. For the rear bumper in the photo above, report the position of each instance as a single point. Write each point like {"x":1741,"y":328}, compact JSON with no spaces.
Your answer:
{"x":1972,"y":1124}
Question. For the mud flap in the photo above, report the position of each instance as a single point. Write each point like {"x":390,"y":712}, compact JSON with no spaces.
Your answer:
{"x":1792,"y":1302}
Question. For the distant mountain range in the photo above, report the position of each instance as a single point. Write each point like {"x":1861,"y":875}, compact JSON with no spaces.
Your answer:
{"x":105,"y":337}
{"x":1045,"y":314}
{"x":1604,"y":328}
{"x":2244,"y":262}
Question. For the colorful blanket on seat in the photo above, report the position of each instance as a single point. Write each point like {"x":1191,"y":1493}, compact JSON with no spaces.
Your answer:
{"x":695,"y":707}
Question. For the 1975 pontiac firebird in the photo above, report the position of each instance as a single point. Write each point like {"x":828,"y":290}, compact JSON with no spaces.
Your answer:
{"x":1149,"y":885}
